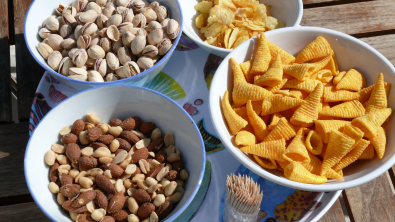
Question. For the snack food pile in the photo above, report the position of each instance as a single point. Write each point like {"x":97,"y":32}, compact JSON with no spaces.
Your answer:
{"x":112,"y":172}
{"x":228,"y":23}
{"x":303,"y":117}
{"x":101,"y":41}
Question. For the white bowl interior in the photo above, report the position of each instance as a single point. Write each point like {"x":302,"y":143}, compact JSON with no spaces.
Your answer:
{"x":107,"y":103}
{"x":350,"y":53}
{"x":288,"y":11}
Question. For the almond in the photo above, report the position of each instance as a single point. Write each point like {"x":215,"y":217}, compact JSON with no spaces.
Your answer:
{"x":105,"y":184}
{"x":73,"y":152}
{"x":106,"y":139}
{"x":69,"y":138}
{"x":93,"y":134}
{"x":139,"y":154}
{"x":116,"y":171}
{"x":70,"y":190}
{"x":154,"y":171}
{"x":77,"y":127}
{"x":164,"y":209}
{"x":85,"y":218}
{"x":97,"y":145}
{"x":130,"y":137}
{"x":88,"y":162}
{"x":177,"y":166}
{"x":128,"y":124}
{"x":155,"y":145}
{"x":107,"y":219}
{"x":173,"y":175}
{"x":142,"y":196}
{"x":84,"y":198}
{"x":53,"y":172}
{"x":118,"y":151}
{"x":147,"y":127}
{"x":66,"y":179}
{"x":161,"y":156}
{"x":67,"y":206}
{"x":145,"y":210}
{"x":115,"y":122}
{"x":137,"y":121}
{"x":123,"y":144}
{"x":101,"y":199}
{"x":116,"y":203}
{"x":121,"y":216}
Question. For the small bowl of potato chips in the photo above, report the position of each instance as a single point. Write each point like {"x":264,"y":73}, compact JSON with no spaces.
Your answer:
{"x":308,"y":108}
{"x":219,"y":26}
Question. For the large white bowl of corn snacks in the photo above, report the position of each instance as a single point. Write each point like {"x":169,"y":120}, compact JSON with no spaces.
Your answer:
{"x":220,"y":26}
{"x":137,"y":155}
{"x":317,"y":121}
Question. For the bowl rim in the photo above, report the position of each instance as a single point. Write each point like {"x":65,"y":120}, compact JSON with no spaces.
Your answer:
{"x":222,"y":50}
{"x":243,"y":159}
{"x":129,"y":79}
{"x":203,"y":168}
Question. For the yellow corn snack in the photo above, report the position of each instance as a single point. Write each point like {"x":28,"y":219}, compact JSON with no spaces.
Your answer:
{"x":350,"y":109}
{"x":379,"y":141}
{"x":283,"y":164}
{"x":279,"y":86}
{"x":296,"y":172}
{"x":234,"y":121}
{"x":245,"y":138}
{"x":338,"y":146}
{"x":262,"y":57}
{"x":320,"y":63}
{"x":354,"y":132}
{"x":331,"y":174}
{"x":308,"y":112}
{"x":242,"y":112}
{"x":238,"y":75}
{"x":368,"y":154}
{"x":282,"y":130}
{"x":283,"y":92}
{"x":242,"y":92}
{"x":365,"y":93}
{"x":246,"y":68}
{"x":314,"y":143}
{"x":333,"y":95}
{"x":257,"y":106}
{"x":276,"y":104}
{"x":286,"y":58}
{"x":325,"y":127}
{"x":275,"y":118}
{"x":325,"y":75}
{"x":296,"y":150}
{"x":352,"y":156}
{"x":259,"y":126}
{"x":299,"y":71}
{"x":308,"y":85}
{"x":316,"y":49}
{"x":265,"y":163}
{"x":288,"y":113}
{"x":270,"y":149}
{"x":353,"y":80}
{"x":273,"y":76}
{"x":378,"y":98}
{"x":314,"y":167}
{"x":297,"y":94}
{"x":369,"y":123}
{"x":338,"y":78}
{"x":332,"y":65}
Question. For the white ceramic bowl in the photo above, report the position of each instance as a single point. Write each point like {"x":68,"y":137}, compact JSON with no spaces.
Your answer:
{"x":108,"y":103}
{"x":41,"y":9}
{"x":288,"y":11}
{"x":350,"y":53}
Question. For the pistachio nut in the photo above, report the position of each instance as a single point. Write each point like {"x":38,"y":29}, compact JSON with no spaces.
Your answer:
{"x":101,"y":21}
{"x":96,"y":52}
{"x":153,"y":25}
{"x":94,"y":76}
{"x":173,"y":28}
{"x":78,"y":74}
{"x":44,"y":33}
{"x":155,"y":58}
{"x":139,"y":20}
{"x":89,"y":28}
{"x":150,"y":51}
{"x":84,"y":41}
{"x":127,"y":15}
{"x":138,"y":44}
{"x":102,"y":3}
{"x":95,"y":39}
{"x":65,"y":31}
{"x":149,"y":14}
{"x":51,"y":23}
{"x":124,"y":3}
{"x":88,"y":16}
{"x":153,"y":4}
{"x":54,"y":60}
{"x":90,"y":62}
{"x":155,"y":36}
{"x":145,"y":62}
{"x":69,"y":19}
{"x":105,"y":43}
{"x":59,"y":10}
{"x":44,"y":49}
{"x":114,"y":20}
{"x":55,"y":42}
{"x":60,"y":20}
{"x":118,"y":44}
{"x":124,"y":55}
{"x":113,"y":33}
{"x":102,"y":32}
{"x":80,"y":5}
{"x":45,"y":41}
{"x":80,"y":57}
{"x":69,"y":9}
{"x":142,"y":32}
{"x":71,"y":52}
{"x":65,"y":52}
{"x":125,"y":27}
{"x":131,"y":69}
{"x":164,"y":46}
{"x":161,"y":12}
{"x":121,"y":73}
{"x":127,"y":39}
{"x":93,"y":6}
{"x":164,"y":23}
{"x":137,"y":5}
{"x":120,"y":9}
{"x":111,"y":77}
{"x":112,"y":61}
{"x":77,"y":31}
{"x":65,"y":65}
{"x":101,"y":66}
{"x":69,"y":43}
{"x":109,"y":10}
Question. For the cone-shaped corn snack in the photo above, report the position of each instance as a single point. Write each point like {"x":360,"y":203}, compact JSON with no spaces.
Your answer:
{"x":325,"y":127}
{"x":316,"y":49}
{"x":238,"y":75}
{"x":370,"y":122}
{"x":296,"y":150}
{"x":234,"y":121}
{"x":325,"y":75}
{"x":308,"y":112}
{"x":314,"y":143}
{"x":262,"y":57}
{"x":259,"y":126}
{"x":379,"y":141}
{"x":275,"y":118}
{"x":270,"y":149}
{"x":331,"y":94}
{"x":279,"y":86}
{"x":246,"y":68}
{"x":308,"y":85}
{"x":245,"y":138}
{"x":367,"y":154}
{"x":242,"y":92}
{"x":276,"y":104}
{"x":286,"y":58}
{"x":338,"y":78}
{"x":282,"y":130}
{"x":352,"y":156}
{"x":273,"y":76}
{"x":378,"y":98}
{"x":296,"y":172}
{"x":242,"y":112}
{"x":353,"y":80}
{"x":350,"y":109}
{"x":365,"y":93}
{"x":265,"y":163}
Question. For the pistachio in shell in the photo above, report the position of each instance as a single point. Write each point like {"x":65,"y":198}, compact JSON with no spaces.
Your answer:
{"x":54,"y":60}
{"x":139,"y":21}
{"x":69,"y":9}
{"x":84,"y":41}
{"x":94,"y":6}
{"x":150,"y":51}
{"x":80,"y":5}
{"x":113,"y":33}
{"x":100,"y":66}
{"x":65,"y":31}
{"x":155,"y":36}
{"x":95,"y":39}
{"x":65,"y":65}
{"x":118,"y":44}
{"x":101,"y":21}
{"x":125,"y":27}
{"x":88,"y":16}
{"x":161,"y":12}
{"x":55,"y":41}
{"x":115,"y":19}
{"x":153,"y":25}
{"x":44,"y":33}
{"x":69,"y":19}
{"x":131,"y":69}
{"x":51,"y":23}
{"x":71,"y":52}
{"x":69,"y":43}
{"x":90,"y":62}
{"x":111,"y":77}
{"x":124,"y":55}
{"x":60,"y":9}
{"x":124,"y":3}
{"x":44,"y":49}
{"x":137,"y":5}
{"x":127,"y":39}
{"x":80,"y":57}
{"x":89,"y":28}
{"x":153,"y":4}
{"x":96,"y":52}
{"x":173,"y":28}
{"x":127,"y":15}
{"x":149,"y":14}
{"x":77,"y":31}
{"x":109,"y":10}
{"x":112,"y":61}
{"x":138,"y":44}
{"x":78,"y":74}
{"x":94,"y":76}
{"x":101,"y":3}
{"x":106,"y":44}
{"x":145,"y":62}
{"x":164,"y":46}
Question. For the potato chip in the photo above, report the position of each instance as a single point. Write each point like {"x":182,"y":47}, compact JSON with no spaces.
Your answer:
{"x":286,"y":58}
{"x":296,"y":150}
{"x":226,"y":3}
{"x":242,"y":92}
{"x":234,"y":121}
{"x":338,"y":78}
{"x":238,"y":75}
{"x":257,"y":123}
{"x":314,"y":143}
{"x":350,"y":109}
{"x":368,"y":154}
{"x":369,"y":123}
{"x":273,"y":76}
{"x":305,"y":114}
{"x":296,"y":172}
{"x":245,"y":138}
{"x":274,"y":104}
{"x":325,"y":75}
{"x":262,"y":57}
{"x":352,"y":80}
{"x":275,"y":118}
{"x":244,"y":12}
{"x":269,"y":149}
{"x":242,"y":37}
{"x":260,"y":12}
{"x":316,"y":49}
{"x":308,"y":85}
{"x":226,"y":38}
{"x":352,"y":156}
{"x":233,"y":37}
{"x":204,"y":7}
{"x":273,"y":23}
{"x":279,"y":86}
{"x":213,"y":31}
{"x":338,"y":146}
{"x":379,"y":141}
{"x":282,"y":130}
{"x":200,"y":21}
{"x":220,"y":14}
{"x":325,"y":127}
{"x":265,"y":163}
{"x":331,"y":94}
{"x":242,"y":112}
{"x":378,"y":98}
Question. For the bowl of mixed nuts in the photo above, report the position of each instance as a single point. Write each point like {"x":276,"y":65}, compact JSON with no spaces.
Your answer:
{"x":84,"y":43}
{"x":115,"y":157}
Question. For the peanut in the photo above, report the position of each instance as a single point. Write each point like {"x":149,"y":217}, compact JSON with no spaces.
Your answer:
{"x":90,"y":206}
{"x":114,"y":145}
{"x":169,"y":140}
{"x":138,"y":134}
{"x":115,"y":131}
{"x":169,"y":189}
{"x":119,"y":185}
{"x":102,"y":152}
{"x":73,"y":216}
{"x":105,"y":159}
{"x":180,"y":183}
{"x":81,"y":174}
{"x":165,"y":182}
{"x":85,"y":182}
{"x":94,"y":172}
{"x":174,"y":157}
{"x":59,"y":149}
{"x":142,"y":184}
{"x":180,"y":190}
{"x":65,"y":130}
{"x":184,"y":174}
{"x":174,"y":198}
{"x":92,"y":118}
{"x":159,"y":200}
{"x":152,"y":154}
{"x":60,"y":199}
{"x":127,"y":183}
{"x":144,"y":166}
{"x":153,"y":188}
{"x":132,"y":205}
{"x":64,"y":169}
{"x":133,"y":218}
{"x":150,"y":181}
{"x":120,"y":157}
{"x":53,"y":187}
{"x":138,"y":177}
{"x":126,"y":162}
{"x":50,"y":157}
{"x":97,"y":215}
{"x":153,"y":163}
{"x":156,"y":134}
{"x":130,"y":169}
{"x":143,"y":143}
{"x":73,"y":173}
{"x":131,"y":191}
{"x":104,"y":128}
{"x":83,"y":137}
{"x":162,"y":173}
{"x":62,"y":159}
{"x":107,"y":173}
{"x":153,"y":217}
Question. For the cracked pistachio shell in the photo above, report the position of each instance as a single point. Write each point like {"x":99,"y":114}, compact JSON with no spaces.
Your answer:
{"x":131,"y":69}
{"x":164,"y":24}
{"x":139,"y":21}
{"x":116,"y":45}
{"x":89,"y":28}
{"x":113,"y":33}
{"x":164,"y":46}
{"x":114,"y":20}
{"x":80,"y":5}
{"x":154,"y":4}
{"x":46,"y":41}
{"x":101,"y":21}
{"x":111,"y":77}
{"x":96,"y":52}
{"x":121,"y":72}
{"x":127,"y":15}
{"x":51,"y":23}
{"x":101,"y":66}
{"x":120,"y":9}
{"x":88,"y":16}
{"x":145,"y":62}
{"x":72,"y":51}
{"x":65,"y":65}
{"x":44,"y":33}
{"x":54,"y":60}
{"x":95,"y":39}
{"x":69,"y":9}
{"x":90,"y":62}
{"x":69,"y":43}
{"x":80,"y":57}
{"x":173,"y":28}
{"x":150,"y":51}
{"x":112,"y":61}
{"x":60,"y":9}
{"x":101,"y":3}
{"x":137,"y":5}
{"x":142,"y":32}
{"x":125,"y":27}
{"x":102,"y":32}
{"x":124,"y":3}
{"x":138,"y":44}
{"x":60,"y":20}
{"x":155,"y":36}
{"x":109,"y":10}
{"x":78,"y":74}
{"x":93,"y":6}
{"x":65,"y":31}
{"x":77,"y":31}
{"x":44,"y":49}
{"x":153,"y":25}
{"x":124,"y":55}
{"x":55,"y":41}
{"x":105,"y":43}
{"x":161,"y":12}
{"x":149,"y":14}
{"x":84,"y":41}
{"x":127,"y":39}
{"x":69,"y":19}
{"x":95,"y":76}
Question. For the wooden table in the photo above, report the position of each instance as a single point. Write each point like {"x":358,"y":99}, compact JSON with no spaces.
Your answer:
{"x":372,"y":21}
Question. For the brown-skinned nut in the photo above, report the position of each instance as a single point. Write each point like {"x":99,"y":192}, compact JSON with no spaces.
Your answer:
{"x":107,"y":219}
{"x":142,"y":196}
{"x":67,"y":206}
{"x":84,"y":218}
{"x":155,"y":170}
{"x":155,"y":145}
{"x":145,"y":210}
{"x":97,"y":145}
{"x":116,"y":171}
{"x":69,"y":138}
{"x":115,"y":122}
{"x":77,"y":127}
{"x":139,"y":154}
{"x":70,"y":190}
{"x":105,"y":184}
{"x":53,"y":172}
{"x":177,"y":166}
{"x":84,"y":198}
{"x":137,"y":121}
{"x":116,"y":203}
{"x":128,"y":124}
{"x":93,"y":134}
{"x":88,"y":162}
{"x":101,"y":199}
{"x":73,"y":152}
{"x":163,"y":210}
{"x":130,"y":137}
{"x":147,"y":127}
{"x":123,"y":144}
{"x":66,"y":179}
{"x":138,"y":171}
{"x":121,"y":216}
{"x":161,"y":156}
{"x":106,"y":139}
{"x":118,"y":151}
{"x":172,"y":175}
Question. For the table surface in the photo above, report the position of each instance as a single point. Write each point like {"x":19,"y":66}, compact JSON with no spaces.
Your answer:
{"x":372,"y":21}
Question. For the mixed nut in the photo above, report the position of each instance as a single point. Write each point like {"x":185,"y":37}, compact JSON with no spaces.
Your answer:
{"x":124,"y":171}
{"x":106,"y":40}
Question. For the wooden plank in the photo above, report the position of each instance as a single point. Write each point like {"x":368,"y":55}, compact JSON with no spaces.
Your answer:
{"x":29,"y":72}
{"x":373,"y":201}
{"x":23,"y":212}
{"x":385,"y":44}
{"x":363,"y":17}
{"x":334,"y":214}
{"x":5,"y":74}
{"x":306,"y":2}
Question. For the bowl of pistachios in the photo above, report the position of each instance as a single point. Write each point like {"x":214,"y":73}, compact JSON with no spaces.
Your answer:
{"x":85,"y":44}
